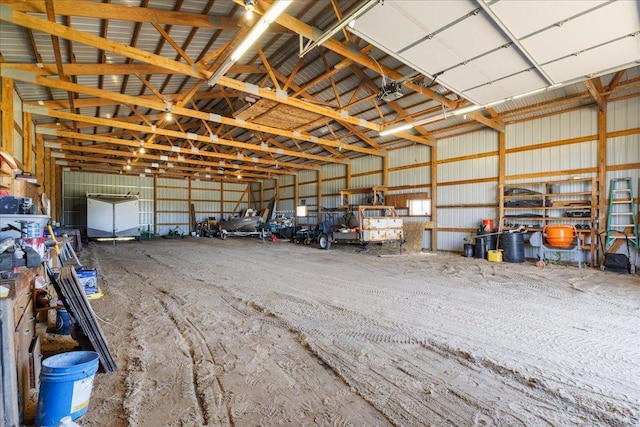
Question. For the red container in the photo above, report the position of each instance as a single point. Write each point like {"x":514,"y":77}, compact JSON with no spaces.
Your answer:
{"x":487,"y":225}
{"x":560,"y":235}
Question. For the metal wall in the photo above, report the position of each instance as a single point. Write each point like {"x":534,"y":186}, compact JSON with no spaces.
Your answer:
{"x":468,"y":169}
{"x":468,"y":172}
{"x":205,"y":197}
{"x":76,"y":185}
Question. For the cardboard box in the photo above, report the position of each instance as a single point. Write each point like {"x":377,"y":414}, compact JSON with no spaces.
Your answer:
{"x":89,"y":279}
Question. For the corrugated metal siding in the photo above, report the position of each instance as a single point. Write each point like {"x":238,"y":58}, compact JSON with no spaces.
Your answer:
{"x":287,"y":195}
{"x":205,"y":196}
{"x":474,"y":193}
{"x":573,"y":124}
{"x":622,"y":115}
{"x":408,"y":156}
{"x":366,"y":164}
{"x":415,"y":176}
{"x":333,"y":171}
{"x":474,"y":143}
{"x":461,"y":198}
{"x":172,"y":202}
{"x":567,"y":157}
{"x":482,"y":167}
{"x":76,"y":185}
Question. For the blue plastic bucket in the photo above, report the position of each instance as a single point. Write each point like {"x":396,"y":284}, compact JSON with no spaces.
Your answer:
{"x":66,"y":381}
{"x":63,"y":322}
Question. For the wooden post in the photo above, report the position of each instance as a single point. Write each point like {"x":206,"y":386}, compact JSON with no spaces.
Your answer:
{"x":348,"y":177}
{"x":40,"y":177}
{"x":221,"y":200}
{"x":192,"y":212}
{"x":602,"y":181}
{"x":602,"y":170}
{"x":46,"y":166}
{"x":502,"y":155}
{"x":434,"y":197}
{"x":385,"y":170}
{"x":155,"y":204}
{"x":58,"y":190}
{"x":7,"y":115}
{"x":319,"y":192}
{"x":296,"y":196}
{"x":27,"y":127}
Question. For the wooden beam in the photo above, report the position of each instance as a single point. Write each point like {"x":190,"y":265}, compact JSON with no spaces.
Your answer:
{"x":150,"y":103}
{"x":171,"y":41}
{"x":265,"y":61}
{"x":593,"y":90}
{"x":8,"y":14}
{"x":168,"y":149}
{"x":434,"y":197}
{"x":7,"y":115}
{"x":182,"y":136}
{"x":40,"y":162}
{"x":614,"y":83}
{"x":305,"y":30}
{"x":88,"y":9}
{"x":27,"y":142}
{"x":285,"y":99}
{"x":602,"y":171}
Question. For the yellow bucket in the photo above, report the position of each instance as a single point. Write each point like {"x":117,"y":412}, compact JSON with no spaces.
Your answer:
{"x":494,"y":255}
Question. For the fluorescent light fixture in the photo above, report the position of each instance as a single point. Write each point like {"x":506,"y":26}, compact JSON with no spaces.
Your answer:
{"x":263,"y":23}
{"x":337,"y":27}
{"x":524,"y":95}
{"x":466,"y":110}
{"x":411,"y":125}
{"x":221,"y":71}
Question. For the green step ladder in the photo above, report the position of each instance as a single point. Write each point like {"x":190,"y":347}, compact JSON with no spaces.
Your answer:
{"x":621,"y":215}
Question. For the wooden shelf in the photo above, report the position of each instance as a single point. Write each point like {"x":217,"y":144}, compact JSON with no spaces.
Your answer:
{"x":548,"y":193}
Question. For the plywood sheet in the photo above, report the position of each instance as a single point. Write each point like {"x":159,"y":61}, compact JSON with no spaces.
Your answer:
{"x":271,"y":113}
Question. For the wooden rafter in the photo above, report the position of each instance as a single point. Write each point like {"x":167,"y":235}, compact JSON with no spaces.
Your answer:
{"x":592,"y":87}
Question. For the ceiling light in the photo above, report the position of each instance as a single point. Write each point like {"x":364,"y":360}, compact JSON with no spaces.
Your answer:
{"x":274,"y":11}
{"x":142,"y":150}
{"x":249,"y":5}
{"x":466,"y":110}
{"x":168,"y":117}
{"x":407,"y":126}
{"x":347,"y":20}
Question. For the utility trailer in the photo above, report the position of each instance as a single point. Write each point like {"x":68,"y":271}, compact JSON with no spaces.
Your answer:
{"x":387,"y":228}
{"x":112,"y":216}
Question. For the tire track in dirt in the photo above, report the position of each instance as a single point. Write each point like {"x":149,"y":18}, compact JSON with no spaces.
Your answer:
{"x":402,"y":346}
{"x":405,"y":339}
{"x":238,"y":401}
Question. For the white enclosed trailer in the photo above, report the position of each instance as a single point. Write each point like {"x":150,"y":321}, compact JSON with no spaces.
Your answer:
{"x":112,"y":215}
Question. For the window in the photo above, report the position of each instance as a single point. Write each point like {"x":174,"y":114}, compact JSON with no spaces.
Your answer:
{"x":419,"y":207}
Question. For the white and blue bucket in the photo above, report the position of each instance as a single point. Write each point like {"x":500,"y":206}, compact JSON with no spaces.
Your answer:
{"x":66,"y":381}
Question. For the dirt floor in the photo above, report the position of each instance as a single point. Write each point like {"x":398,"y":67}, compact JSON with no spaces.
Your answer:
{"x":244,"y":333}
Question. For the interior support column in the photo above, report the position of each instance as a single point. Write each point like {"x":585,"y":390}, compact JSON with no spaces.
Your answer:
{"x":602,"y":170}
{"x":502,"y":157}
{"x":7,"y":115}
{"x":434,"y":197}
{"x":155,"y":204}
{"x":319,"y":192}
